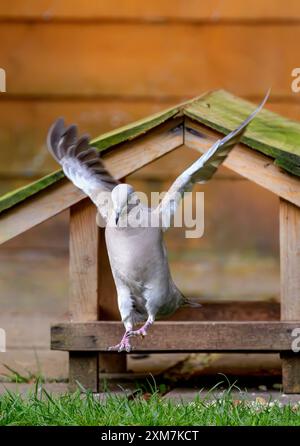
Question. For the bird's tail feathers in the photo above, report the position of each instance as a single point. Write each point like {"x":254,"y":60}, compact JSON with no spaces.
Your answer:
{"x":191,"y":302}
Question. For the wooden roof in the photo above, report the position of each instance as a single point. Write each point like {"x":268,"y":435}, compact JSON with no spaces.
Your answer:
{"x":269,"y":133}
{"x":273,"y":135}
{"x":102,"y":142}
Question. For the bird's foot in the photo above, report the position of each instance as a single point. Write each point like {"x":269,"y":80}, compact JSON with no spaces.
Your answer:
{"x":142,"y":332}
{"x":123,"y":346}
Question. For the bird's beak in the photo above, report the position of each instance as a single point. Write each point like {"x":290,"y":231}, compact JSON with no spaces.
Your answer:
{"x":117,"y":217}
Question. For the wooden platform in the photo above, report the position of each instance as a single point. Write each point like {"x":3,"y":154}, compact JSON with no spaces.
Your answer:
{"x":263,"y":337}
{"x":93,"y":309}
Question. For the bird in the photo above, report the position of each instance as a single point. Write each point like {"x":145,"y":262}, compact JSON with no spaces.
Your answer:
{"x":137,"y":253}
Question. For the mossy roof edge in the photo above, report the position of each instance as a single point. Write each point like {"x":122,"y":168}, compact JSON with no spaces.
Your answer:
{"x":102,"y":142}
{"x":270,"y":133}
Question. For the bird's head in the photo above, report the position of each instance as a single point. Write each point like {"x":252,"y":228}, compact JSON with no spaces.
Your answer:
{"x":123,"y":197}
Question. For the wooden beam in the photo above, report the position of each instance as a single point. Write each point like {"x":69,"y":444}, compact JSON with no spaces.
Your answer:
{"x":290,"y":287}
{"x":230,"y":311}
{"x":83,"y":371}
{"x":84,"y":269}
{"x":138,"y":63}
{"x":84,"y":276}
{"x":150,"y":11}
{"x":179,"y":336}
{"x":92,"y":292}
{"x":121,"y":161}
{"x":246,"y":162}
{"x":290,"y":261}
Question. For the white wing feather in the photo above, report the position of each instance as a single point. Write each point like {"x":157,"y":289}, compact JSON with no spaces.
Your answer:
{"x":82,"y":164}
{"x":202,"y":169}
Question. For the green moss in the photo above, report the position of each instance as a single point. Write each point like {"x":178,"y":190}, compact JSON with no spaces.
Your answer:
{"x":18,"y":195}
{"x":102,"y":142}
{"x":269,"y":133}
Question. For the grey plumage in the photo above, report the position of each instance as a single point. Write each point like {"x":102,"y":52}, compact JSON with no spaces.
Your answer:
{"x":76,"y":155}
{"x":137,"y":255}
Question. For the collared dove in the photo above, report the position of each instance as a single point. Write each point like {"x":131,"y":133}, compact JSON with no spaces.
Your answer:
{"x":137,"y":254}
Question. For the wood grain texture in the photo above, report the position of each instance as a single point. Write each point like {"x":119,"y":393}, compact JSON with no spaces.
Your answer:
{"x":229,"y":311}
{"x":120,"y":162}
{"x":246,"y":162}
{"x":290,"y":287}
{"x":132,"y":155}
{"x":290,"y":372}
{"x":83,"y":371}
{"x":157,"y":62}
{"x":84,"y":265}
{"x":290,"y":260}
{"x":269,"y":133}
{"x":38,"y":208}
{"x":179,"y":336}
{"x":84,"y":285}
{"x":212,"y":10}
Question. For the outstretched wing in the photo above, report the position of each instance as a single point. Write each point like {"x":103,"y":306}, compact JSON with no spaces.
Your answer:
{"x":81,"y":163}
{"x":202,"y":169}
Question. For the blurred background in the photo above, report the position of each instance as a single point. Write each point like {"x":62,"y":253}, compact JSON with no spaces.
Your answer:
{"x":102,"y":64}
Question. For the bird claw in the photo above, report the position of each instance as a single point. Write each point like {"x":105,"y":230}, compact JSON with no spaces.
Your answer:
{"x":141,"y":332}
{"x":123,"y":346}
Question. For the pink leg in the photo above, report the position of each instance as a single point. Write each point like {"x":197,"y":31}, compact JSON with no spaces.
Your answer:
{"x":124,"y":345}
{"x":143,"y":330}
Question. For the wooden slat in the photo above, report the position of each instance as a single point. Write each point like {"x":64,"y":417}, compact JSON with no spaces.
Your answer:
{"x":212,"y":10}
{"x":28,"y":331}
{"x":290,"y":372}
{"x":246,"y":162}
{"x":37,"y":209}
{"x":179,"y":336}
{"x":130,"y":156}
{"x":84,"y":284}
{"x":229,"y":311}
{"x":270,"y":134}
{"x":290,"y":286}
{"x":83,"y":371}
{"x":84,"y":271}
{"x":178,"y":60}
{"x":93,"y":293}
{"x":290,"y":260}
{"x":120,"y":162}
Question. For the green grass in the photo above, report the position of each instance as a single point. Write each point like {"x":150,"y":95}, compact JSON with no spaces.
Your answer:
{"x":39,"y":408}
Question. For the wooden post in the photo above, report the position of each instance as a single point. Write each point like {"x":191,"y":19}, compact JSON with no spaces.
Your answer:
{"x":84,"y":277}
{"x":290,"y":287}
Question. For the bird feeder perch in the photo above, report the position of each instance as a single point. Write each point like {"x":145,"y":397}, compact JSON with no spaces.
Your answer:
{"x":269,"y":155}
